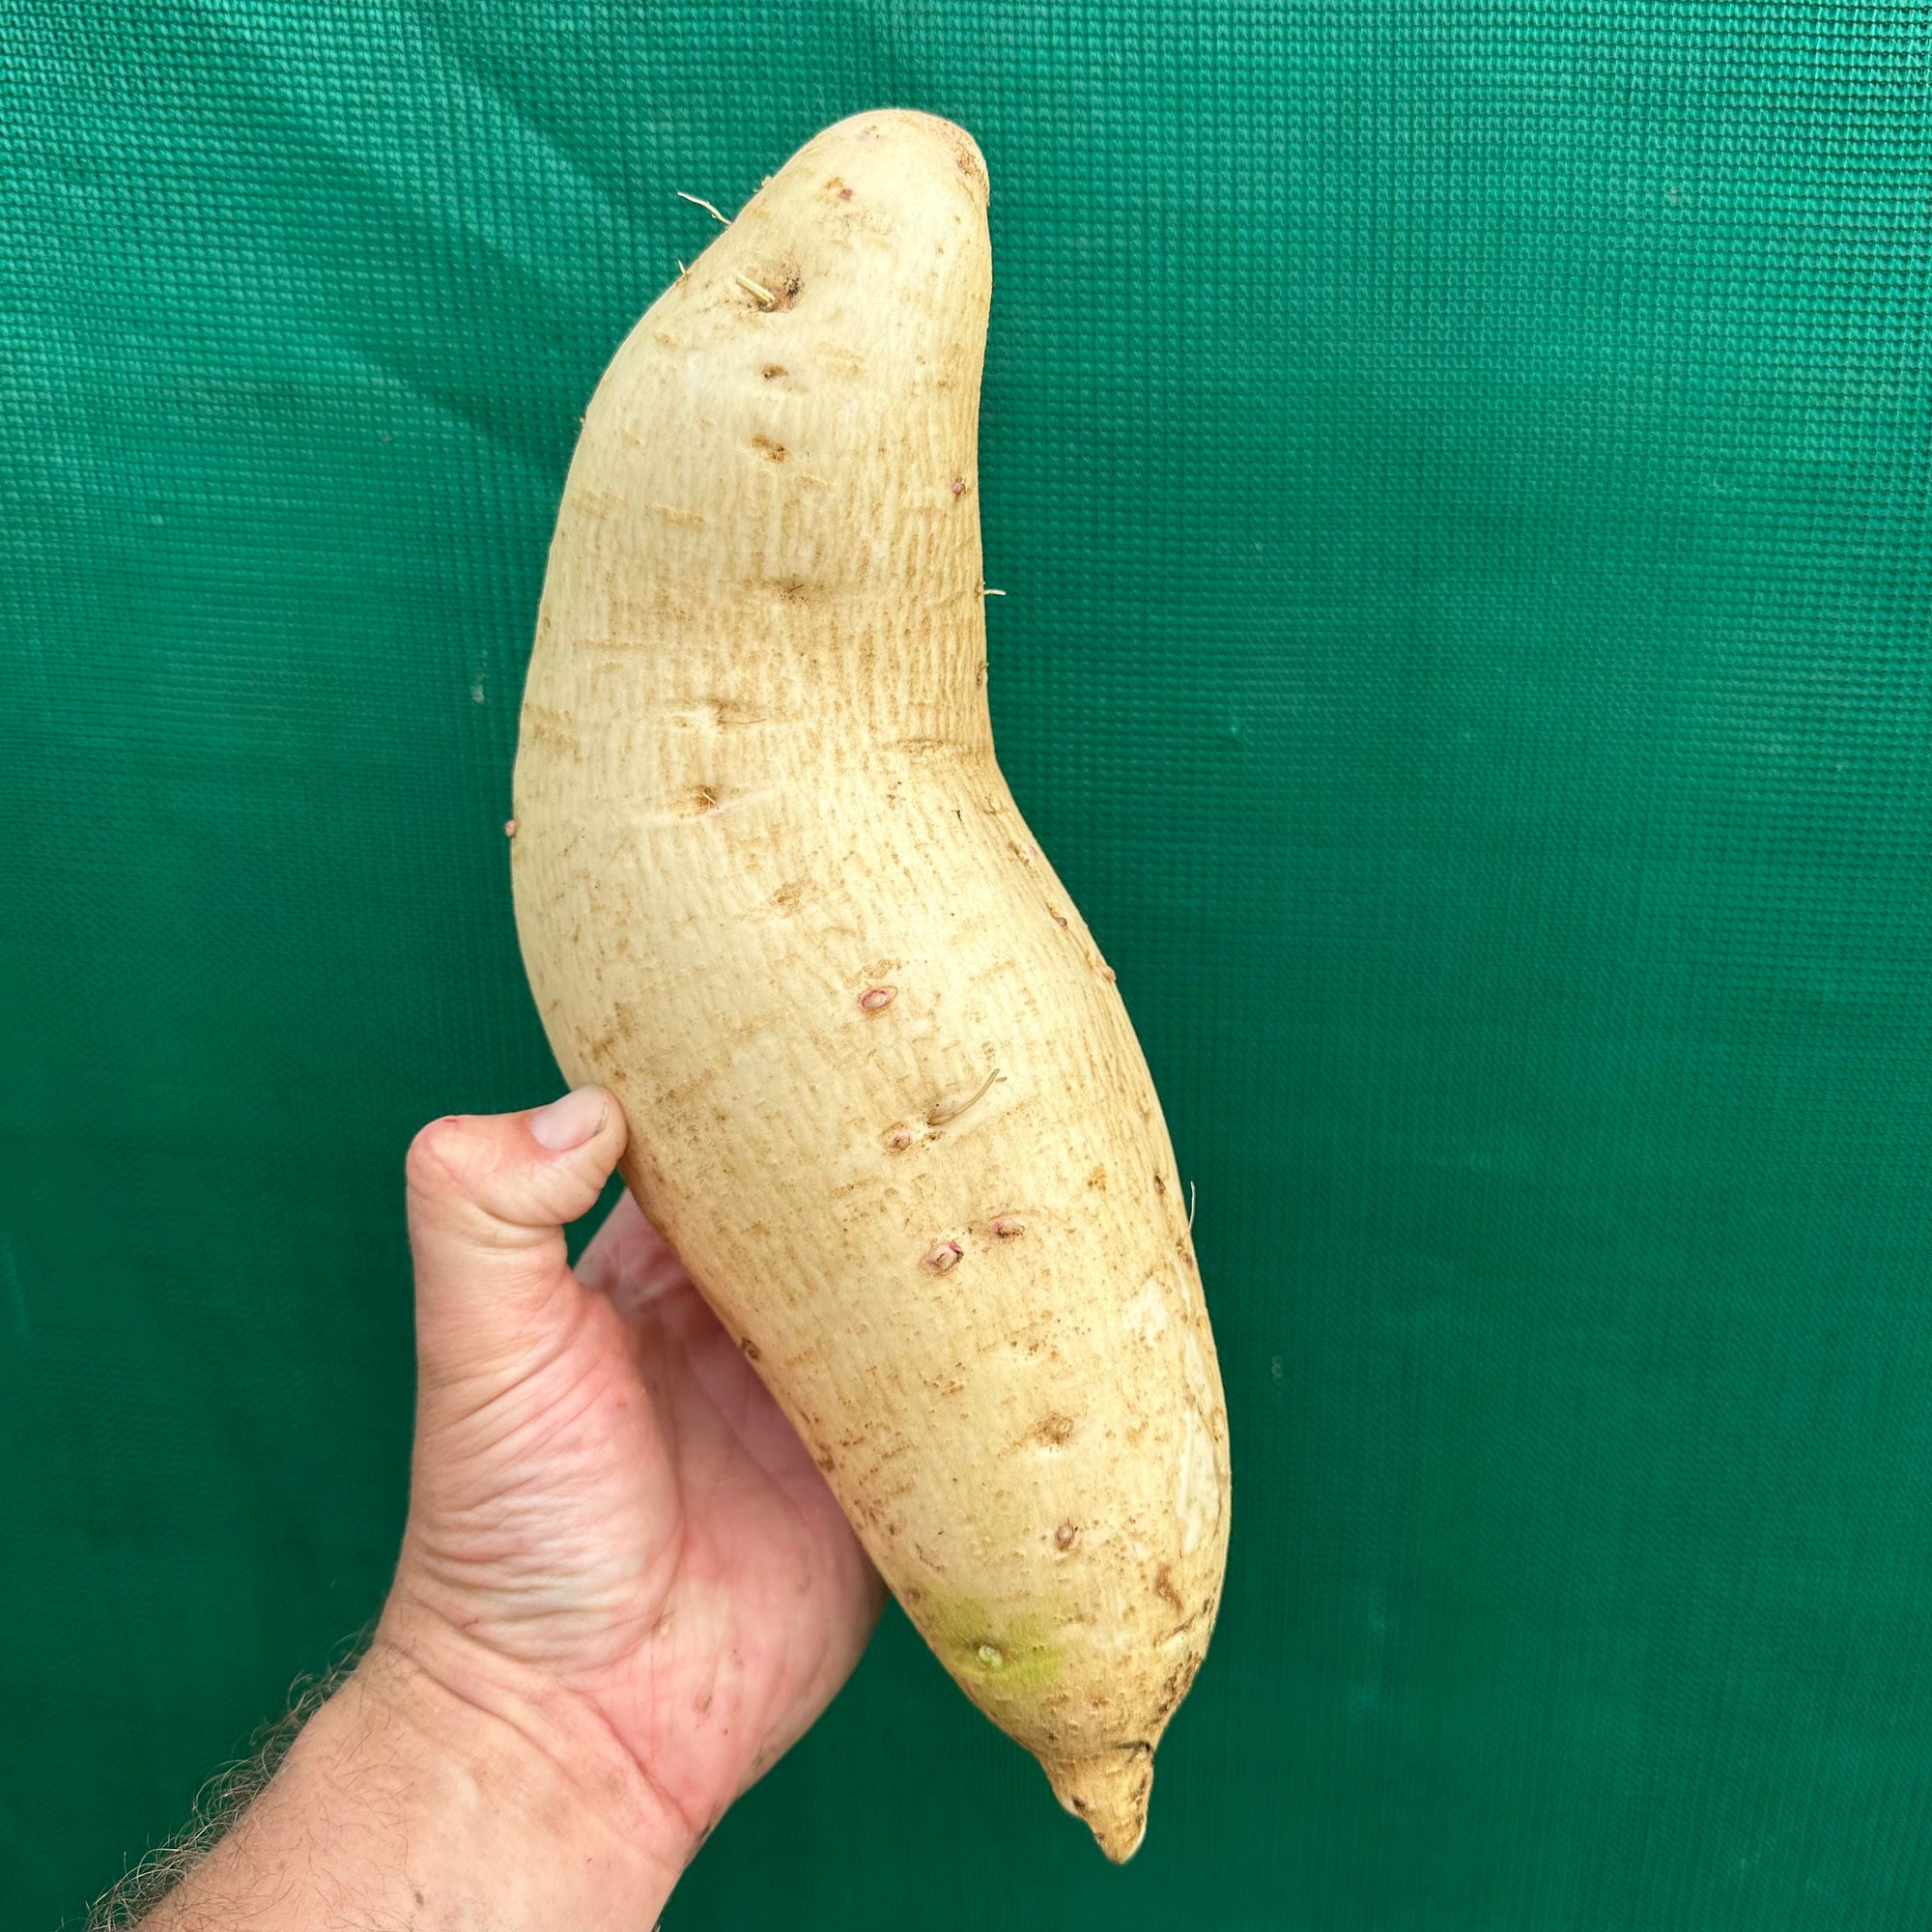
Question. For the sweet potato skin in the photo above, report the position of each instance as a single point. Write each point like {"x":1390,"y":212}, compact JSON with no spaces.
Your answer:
{"x":773,"y":890}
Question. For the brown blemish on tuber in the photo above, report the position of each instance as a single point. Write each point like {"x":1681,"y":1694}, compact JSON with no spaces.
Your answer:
{"x":842,"y":361}
{"x":776,"y":290}
{"x":1176,"y":1688}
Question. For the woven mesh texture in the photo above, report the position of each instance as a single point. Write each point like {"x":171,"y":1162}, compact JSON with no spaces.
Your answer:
{"x":1458,"y":472}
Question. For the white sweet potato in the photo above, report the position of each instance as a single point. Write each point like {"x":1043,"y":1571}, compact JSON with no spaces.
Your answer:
{"x":774,"y":892}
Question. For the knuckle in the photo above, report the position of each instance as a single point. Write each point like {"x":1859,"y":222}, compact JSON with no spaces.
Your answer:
{"x":462,"y":1176}
{"x":468,"y":1172}
{"x":442,"y":1159}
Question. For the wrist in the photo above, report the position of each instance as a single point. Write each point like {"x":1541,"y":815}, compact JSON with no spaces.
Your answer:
{"x":531,"y":1749}
{"x":432,"y":1789}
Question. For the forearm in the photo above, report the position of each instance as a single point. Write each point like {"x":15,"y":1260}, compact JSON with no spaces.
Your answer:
{"x":403,"y":1805}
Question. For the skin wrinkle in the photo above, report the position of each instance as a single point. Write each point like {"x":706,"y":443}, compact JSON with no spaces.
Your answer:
{"x":501,"y":1404}
{"x":665,"y":1801}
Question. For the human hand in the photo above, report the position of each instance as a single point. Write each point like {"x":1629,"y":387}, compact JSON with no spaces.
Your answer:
{"x":624,"y":1588}
{"x":612,"y":1523}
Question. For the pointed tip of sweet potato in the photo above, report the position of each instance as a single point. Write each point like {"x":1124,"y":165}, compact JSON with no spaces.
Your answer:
{"x":1109,"y":1792}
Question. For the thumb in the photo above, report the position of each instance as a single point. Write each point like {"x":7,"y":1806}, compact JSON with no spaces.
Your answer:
{"x":488,"y":1195}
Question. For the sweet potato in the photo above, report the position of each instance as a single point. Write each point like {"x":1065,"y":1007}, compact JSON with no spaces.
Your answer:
{"x":774,"y":892}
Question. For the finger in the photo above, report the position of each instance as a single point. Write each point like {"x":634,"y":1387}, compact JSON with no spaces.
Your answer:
{"x":488,"y":1195}
{"x":628,"y":1260}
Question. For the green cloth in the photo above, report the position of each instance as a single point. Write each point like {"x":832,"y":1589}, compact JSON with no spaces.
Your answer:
{"x":1458,"y":474}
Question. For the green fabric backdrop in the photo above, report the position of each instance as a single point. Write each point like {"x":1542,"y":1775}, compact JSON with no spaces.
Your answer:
{"x":1459,"y":471}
